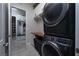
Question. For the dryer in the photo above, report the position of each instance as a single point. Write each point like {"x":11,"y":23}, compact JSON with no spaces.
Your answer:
{"x":59,"y":19}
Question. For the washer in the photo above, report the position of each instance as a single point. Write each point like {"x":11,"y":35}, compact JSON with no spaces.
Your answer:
{"x":56,"y":46}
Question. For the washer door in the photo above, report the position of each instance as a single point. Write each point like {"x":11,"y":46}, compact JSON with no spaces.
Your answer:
{"x":50,"y":49}
{"x":54,"y":13}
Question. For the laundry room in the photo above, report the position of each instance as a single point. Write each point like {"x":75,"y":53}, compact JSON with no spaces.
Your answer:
{"x":43,"y":28}
{"x":40,"y":29}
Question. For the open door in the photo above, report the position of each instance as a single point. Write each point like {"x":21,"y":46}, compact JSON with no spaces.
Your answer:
{"x":4,"y":29}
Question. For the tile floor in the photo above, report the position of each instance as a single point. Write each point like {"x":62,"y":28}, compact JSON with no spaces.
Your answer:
{"x":17,"y":45}
{"x":19,"y":48}
{"x":77,"y":54}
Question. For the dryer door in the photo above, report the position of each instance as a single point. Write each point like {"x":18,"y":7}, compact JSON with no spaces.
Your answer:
{"x":54,"y":13}
{"x":50,"y":49}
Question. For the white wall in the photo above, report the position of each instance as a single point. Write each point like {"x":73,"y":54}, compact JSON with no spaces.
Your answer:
{"x":38,"y":10}
{"x":77,"y":26}
{"x":31,"y":25}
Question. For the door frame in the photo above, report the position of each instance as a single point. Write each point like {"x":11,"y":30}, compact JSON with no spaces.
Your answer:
{"x":10,"y":25}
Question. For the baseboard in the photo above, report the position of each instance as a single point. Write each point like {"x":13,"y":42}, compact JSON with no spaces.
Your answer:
{"x":77,"y":50}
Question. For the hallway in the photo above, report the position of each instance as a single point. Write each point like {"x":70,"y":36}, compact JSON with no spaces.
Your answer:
{"x":19,"y":48}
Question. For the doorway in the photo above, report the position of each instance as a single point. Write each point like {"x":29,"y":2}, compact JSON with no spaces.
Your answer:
{"x":18,"y":31}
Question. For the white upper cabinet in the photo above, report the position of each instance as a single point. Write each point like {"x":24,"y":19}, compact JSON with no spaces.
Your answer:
{"x":39,"y":9}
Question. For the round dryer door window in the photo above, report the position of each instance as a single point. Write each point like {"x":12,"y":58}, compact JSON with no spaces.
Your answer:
{"x":54,"y":13}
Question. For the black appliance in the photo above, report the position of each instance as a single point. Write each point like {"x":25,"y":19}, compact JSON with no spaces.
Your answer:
{"x":38,"y":44}
{"x":56,"y":46}
{"x":59,"y":23}
{"x":59,"y":19}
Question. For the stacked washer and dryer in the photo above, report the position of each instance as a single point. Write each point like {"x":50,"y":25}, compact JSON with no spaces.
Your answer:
{"x":59,"y":29}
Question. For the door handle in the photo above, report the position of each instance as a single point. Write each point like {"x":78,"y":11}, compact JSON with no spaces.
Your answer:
{"x":5,"y":44}
{"x":1,"y":42}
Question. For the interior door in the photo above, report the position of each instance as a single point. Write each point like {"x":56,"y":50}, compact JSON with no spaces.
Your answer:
{"x":3,"y":29}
